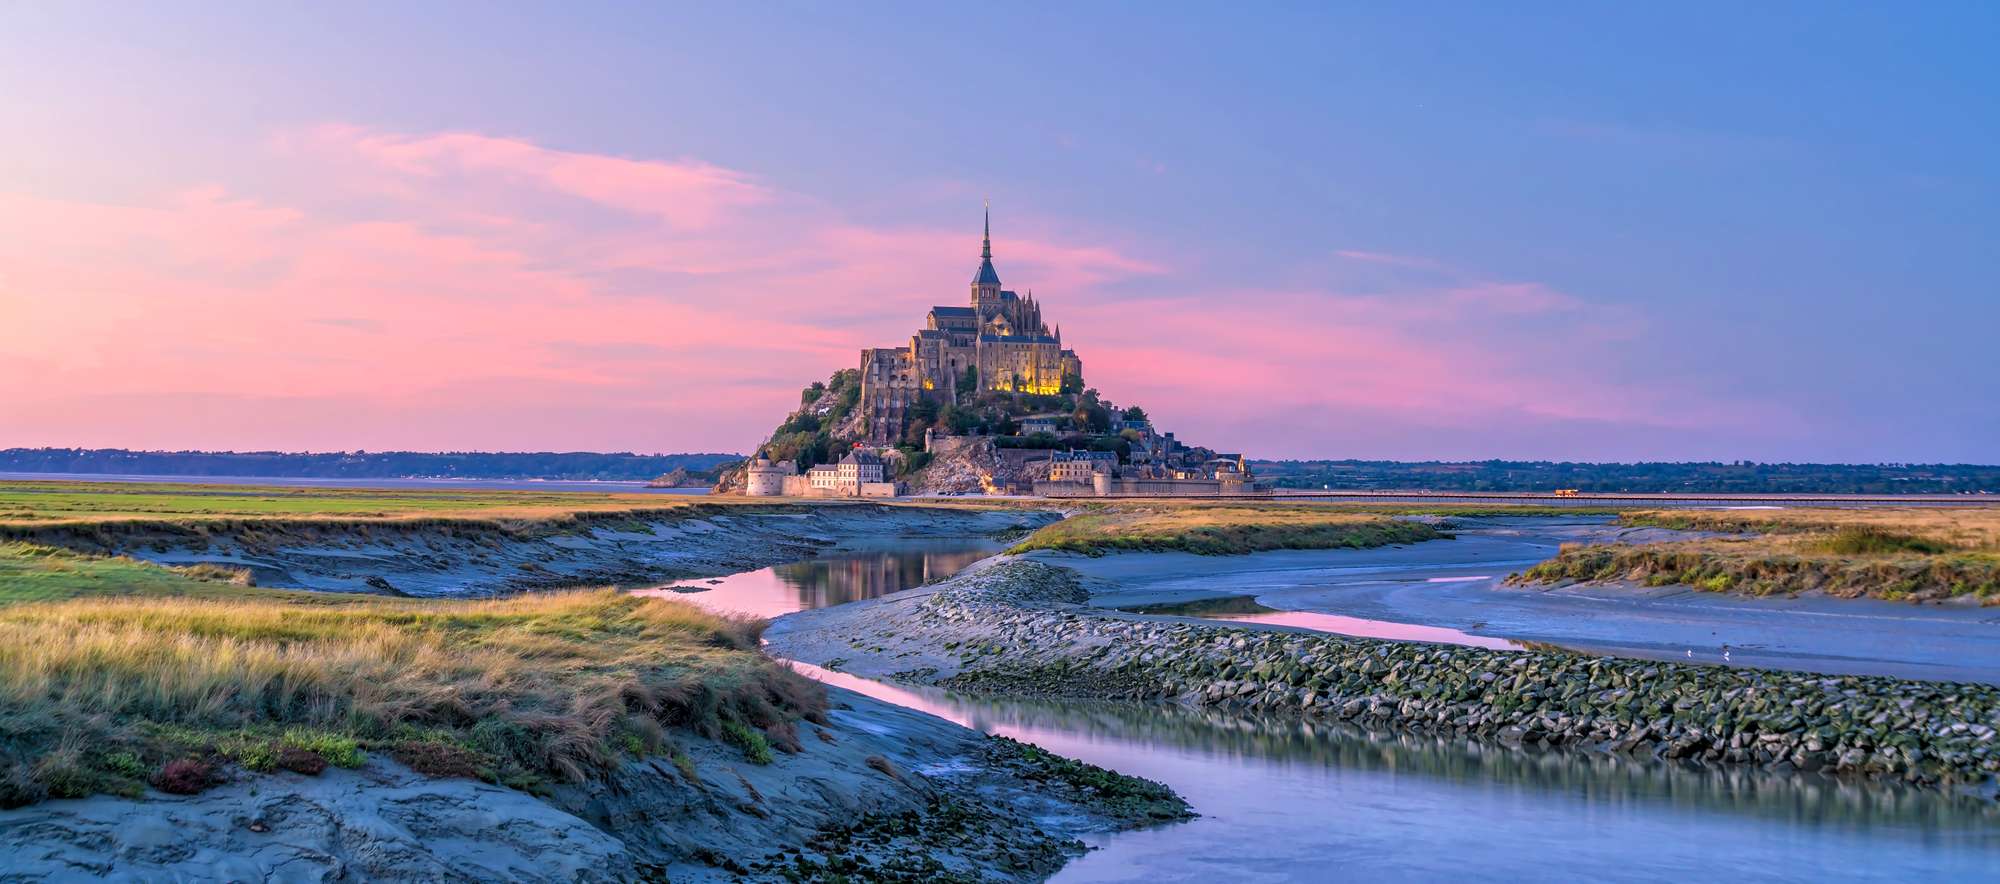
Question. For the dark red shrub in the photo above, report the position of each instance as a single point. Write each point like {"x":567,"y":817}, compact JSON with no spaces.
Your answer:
{"x":185,"y":776}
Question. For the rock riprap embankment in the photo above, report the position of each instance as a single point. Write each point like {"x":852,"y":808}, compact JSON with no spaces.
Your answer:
{"x":1020,"y":627}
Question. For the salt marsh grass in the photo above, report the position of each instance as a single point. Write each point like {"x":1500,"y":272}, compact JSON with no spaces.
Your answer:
{"x":525,"y":690}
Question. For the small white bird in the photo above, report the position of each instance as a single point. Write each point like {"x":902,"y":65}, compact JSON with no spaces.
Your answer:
{"x":1690,"y":652}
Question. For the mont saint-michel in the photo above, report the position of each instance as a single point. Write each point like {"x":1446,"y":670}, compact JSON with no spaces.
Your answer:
{"x":983,"y":398}
{"x":602,"y":443}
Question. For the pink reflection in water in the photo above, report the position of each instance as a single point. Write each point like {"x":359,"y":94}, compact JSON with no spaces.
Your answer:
{"x":1363,"y":628}
{"x":936,"y":703}
{"x":831,"y":579}
{"x":884,"y":691}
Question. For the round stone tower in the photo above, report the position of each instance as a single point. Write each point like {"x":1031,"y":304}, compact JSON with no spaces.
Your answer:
{"x":766,"y":479}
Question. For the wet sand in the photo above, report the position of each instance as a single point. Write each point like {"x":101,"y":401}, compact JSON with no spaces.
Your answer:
{"x":1458,"y":585}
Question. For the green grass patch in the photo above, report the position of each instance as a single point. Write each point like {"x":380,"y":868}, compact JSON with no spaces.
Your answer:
{"x":36,"y":573}
{"x":756,"y":749}
{"x":1871,"y":540}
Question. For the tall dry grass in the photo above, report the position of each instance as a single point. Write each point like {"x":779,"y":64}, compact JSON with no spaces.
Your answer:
{"x":1970,"y":528}
{"x":519,"y":690}
{"x":1889,"y":553}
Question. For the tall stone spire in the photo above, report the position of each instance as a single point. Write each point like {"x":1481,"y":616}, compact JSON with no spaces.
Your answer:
{"x":987,"y":277}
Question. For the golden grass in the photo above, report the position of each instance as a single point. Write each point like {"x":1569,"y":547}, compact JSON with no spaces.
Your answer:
{"x":1887,"y":552}
{"x":1221,"y":529}
{"x":1972,"y":528}
{"x":519,"y":690}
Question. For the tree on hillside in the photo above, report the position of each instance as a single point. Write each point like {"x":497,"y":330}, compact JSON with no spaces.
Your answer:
{"x":1135,"y":413}
{"x":958,"y":420}
{"x":1091,"y":416}
{"x":968,"y":383}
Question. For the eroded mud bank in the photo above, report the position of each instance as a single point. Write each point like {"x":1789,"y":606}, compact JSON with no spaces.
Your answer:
{"x":469,"y":557}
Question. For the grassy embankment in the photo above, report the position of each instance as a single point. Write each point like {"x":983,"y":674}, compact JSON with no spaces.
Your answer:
{"x":1222,"y":529}
{"x":1888,"y":553}
{"x":115,"y":672}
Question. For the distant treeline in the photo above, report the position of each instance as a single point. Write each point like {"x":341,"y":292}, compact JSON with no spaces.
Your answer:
{"x":362,"y":464}
{"x":1742,"y":477}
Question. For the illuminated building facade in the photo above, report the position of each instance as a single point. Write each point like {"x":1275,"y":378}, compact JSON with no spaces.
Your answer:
{"x":1000,"y":338}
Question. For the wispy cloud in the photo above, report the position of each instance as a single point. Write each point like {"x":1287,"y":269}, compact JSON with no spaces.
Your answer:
{"x":525,"y":280}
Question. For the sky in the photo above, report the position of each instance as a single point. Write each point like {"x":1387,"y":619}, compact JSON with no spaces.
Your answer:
{"x":1403,"y":231}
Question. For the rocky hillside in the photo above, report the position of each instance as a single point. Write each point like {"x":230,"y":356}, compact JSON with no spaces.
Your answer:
{"x":828,"y":422}
{"x":972,"y":464}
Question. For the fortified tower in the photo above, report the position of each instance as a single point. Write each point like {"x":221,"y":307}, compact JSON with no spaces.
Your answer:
{"x":767,"y":479}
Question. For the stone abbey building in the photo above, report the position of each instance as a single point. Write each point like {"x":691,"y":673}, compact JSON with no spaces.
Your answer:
{"x":1000,"y":338}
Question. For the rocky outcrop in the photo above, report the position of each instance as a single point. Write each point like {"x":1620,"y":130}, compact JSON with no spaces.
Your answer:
{"x":379,"y":823}
{"x":974,"y":465}
{"x":1019,"y":627}
{"x":677,"y":477}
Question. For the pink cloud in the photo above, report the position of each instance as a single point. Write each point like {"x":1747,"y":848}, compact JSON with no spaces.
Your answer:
{"x":684,"y":193}
{"x":459,"y":290}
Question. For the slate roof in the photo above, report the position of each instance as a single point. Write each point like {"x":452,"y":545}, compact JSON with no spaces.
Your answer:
{"x":986,"y":275}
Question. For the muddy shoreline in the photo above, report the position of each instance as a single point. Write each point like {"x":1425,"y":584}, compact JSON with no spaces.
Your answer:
{"x":470,"y":558}
{"x":1463,"y":585}
{"x":880,"y":790}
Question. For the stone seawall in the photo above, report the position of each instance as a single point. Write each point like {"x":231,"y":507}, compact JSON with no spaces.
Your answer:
{"x":1020,"y":627}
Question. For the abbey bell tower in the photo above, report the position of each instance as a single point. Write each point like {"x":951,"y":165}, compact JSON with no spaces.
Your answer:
{"x":986,"y":283}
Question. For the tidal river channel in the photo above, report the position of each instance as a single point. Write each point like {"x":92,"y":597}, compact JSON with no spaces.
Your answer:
{"x":1281,"y":800}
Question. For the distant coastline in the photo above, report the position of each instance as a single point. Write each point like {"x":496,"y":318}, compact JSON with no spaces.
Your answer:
{"x":622,"y":470}
{"x":411,"y":466}
{"x":610,"y":486}
{"x":1711,"y":477}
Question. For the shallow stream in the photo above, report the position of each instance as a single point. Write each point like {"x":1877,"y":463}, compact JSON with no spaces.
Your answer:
{"x":1283,"y":800}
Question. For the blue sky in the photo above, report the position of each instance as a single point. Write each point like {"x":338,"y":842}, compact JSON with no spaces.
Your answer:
{"x":1561,"y":231}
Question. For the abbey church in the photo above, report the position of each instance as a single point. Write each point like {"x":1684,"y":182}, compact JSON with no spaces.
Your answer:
{"x":998,"y":343}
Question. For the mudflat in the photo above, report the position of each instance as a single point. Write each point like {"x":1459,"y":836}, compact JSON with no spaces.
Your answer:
{"x":1459,"y":584}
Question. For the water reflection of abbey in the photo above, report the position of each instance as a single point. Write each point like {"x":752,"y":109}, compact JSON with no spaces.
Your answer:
{"x":838,"y":579}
